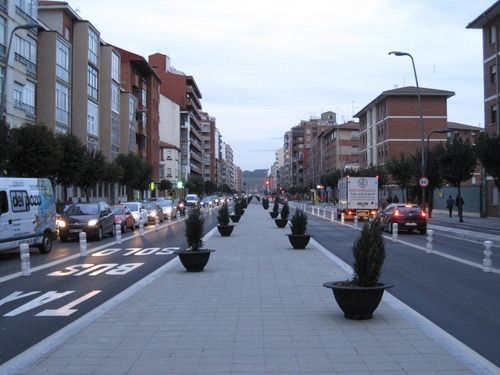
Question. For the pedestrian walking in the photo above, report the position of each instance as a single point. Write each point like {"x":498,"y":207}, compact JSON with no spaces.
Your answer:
{"x":459,"y":202}
{"x":395,"y":199}
{"x":449,"y":205}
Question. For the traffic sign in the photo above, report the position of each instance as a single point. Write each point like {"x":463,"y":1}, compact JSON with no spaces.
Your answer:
{"x":423,"y":182}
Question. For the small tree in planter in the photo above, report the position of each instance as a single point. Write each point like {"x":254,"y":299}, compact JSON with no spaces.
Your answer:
{"x":265,"y":203}
{"x":285,"y":212}
{"x":225,"y":229}
{"x":359,"y":297}
{"x":276,"y":208}
{"x":298,"y":224}
{"x":195,"y":257}
{"x":238,"y":211}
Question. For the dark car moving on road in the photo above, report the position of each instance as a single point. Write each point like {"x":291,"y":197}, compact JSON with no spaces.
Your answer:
{"x":95,"y":219}
{"x":408,"y":216}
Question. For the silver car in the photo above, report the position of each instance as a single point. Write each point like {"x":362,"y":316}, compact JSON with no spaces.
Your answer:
{"x":168,"y":207}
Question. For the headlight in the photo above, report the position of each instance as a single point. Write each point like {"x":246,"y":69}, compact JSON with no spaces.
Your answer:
{"x":61,"y":223}
{"x":135,"y":215}
{"x":92,"y":222}
{"x":153,"y":213}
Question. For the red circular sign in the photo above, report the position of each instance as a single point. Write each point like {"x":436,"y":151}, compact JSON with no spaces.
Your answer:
{"x":423,"y":182}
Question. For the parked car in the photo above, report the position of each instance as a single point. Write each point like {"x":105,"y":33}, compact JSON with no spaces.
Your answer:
{"x":94,"y":218}
{"x":154,"y":211}
{"x":123,"y":217}
{"x":139,"y":212}
{"x":168,"y":207}
{"x":408,"y":216}
{"x":192,"y":200}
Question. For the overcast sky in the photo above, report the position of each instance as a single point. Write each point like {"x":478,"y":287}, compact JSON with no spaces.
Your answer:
{"x":264,"y":65}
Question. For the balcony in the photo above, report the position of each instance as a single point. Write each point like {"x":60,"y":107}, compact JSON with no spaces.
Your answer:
{"x":23,"y":14}
{"x":3,"y":5}
{"x":30,"y":67}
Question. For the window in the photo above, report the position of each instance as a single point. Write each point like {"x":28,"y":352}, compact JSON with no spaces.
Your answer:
{"x":2,"y":35}
{"x":62,"y":61}
{"x":29,"y":97}
{"x":92,"y":89}
{"x":92,"y":145}
{"x":115,"y":66}
{"x":493,"y":114}
{"x":27,"y":8}
{"x":18,"y":94}
{"x":169,"y":154}
{"x":492,"y":34}
{"x":131,"y":109}
{"x":26,"y":48}
{"x":143,"y":97}
{"x":92,"y":119}
{"x":62,"y":103}
{"x":93,"y":52}
{"x":115,"y":98}
{"x":493,"y":74}
{"x":169,"y":172}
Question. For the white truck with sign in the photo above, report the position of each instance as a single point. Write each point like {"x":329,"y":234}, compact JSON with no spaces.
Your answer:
{"x":27,"y":213}
{"x":358,"y":196}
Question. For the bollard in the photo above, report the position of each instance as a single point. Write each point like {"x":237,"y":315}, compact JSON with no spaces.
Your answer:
{"x":25,"y":259}
{"x":157,"y":223}
{"x":356,"y":221}
{"x":83,"y":244}
{"x":430,"y":232}
{"x":324,"y":213}
{"x":141,"y":229}
{"x":394,"y":231}
{"x":342,"y":218}
{"x":487,"y":256}
{"x":332,"y":216}
{"x":118,"y":233}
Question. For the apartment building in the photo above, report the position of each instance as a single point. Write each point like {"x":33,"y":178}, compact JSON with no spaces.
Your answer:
{"x":19,"y":69}
{"x":140,"y":79}
{"x":169,"y":129}
{"x":183,"y":90}
{"x":489,"y":23}
{"x":336,"y":148}
{"x":238,"y":180}
{"x":390,"y":123}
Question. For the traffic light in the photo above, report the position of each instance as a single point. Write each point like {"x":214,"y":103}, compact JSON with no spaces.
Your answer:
{"x":267,"y":182}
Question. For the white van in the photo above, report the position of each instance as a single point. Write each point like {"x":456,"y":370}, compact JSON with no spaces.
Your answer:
{"x":27,"y":213}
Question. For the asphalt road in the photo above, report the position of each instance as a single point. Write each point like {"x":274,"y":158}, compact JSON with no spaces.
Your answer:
{"x":462,"y":300}
{"x":32,"y":308}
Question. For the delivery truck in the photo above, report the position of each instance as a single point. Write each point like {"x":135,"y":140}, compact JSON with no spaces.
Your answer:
{"x":27,"y":213}
{"x":358,"y":196}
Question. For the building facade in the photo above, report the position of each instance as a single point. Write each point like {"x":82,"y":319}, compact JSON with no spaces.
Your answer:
{"x":390,"y":124}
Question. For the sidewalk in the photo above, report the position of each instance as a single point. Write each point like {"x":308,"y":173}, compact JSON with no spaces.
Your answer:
{"x":258,"y":308}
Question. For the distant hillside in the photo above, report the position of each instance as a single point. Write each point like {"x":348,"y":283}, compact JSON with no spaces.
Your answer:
{"x":254,"y":180}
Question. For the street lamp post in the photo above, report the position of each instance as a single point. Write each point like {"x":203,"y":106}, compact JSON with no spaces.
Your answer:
{"x":426,"y":156}
{"x":419,"y":97}
{"x":3,"y":96}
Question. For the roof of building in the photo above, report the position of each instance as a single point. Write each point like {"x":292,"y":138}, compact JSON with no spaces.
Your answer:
{"x":405,"y":91}
{"x":487,"y":16}
{"x":59,"y":5}
{"x":168,"y":145}
{"x":141,"y":61}
{"x":459,"y":126}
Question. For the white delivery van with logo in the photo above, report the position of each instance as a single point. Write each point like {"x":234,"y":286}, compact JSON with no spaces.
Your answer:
{"x":27,"y":213}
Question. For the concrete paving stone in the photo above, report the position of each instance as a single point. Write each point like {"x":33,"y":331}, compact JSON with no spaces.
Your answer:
{"x":147,"y":370}
{"x":384,"y":366}
{"x":350,"y":367}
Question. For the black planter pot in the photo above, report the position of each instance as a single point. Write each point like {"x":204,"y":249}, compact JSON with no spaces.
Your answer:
{"x":225,"y":230}
{"x":357,"y":302}
{"x":281,"y":223}
{"x":273,"y":214}
{"x":194,"y":261}
{"x":299,"y":241}
{"x":235,"y":218}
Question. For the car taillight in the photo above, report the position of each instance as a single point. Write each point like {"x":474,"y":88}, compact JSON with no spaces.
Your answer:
{"x":396,"y":213}
{"x":423,"y":214}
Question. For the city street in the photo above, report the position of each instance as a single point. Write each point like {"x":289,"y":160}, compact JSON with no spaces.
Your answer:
{"x":64,"y":286}
{"x":458,"y":297}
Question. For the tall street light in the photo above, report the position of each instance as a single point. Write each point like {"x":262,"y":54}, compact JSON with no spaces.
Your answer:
{"x":3,"y":96}
{"x":437,"y":131}
{"x":422,"y":144}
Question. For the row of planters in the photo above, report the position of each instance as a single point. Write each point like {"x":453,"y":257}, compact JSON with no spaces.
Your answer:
{"x":357,"y":297}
